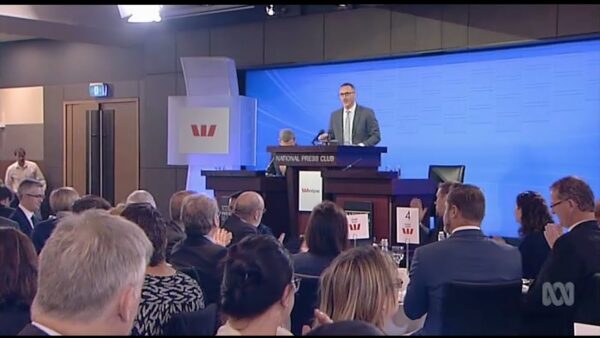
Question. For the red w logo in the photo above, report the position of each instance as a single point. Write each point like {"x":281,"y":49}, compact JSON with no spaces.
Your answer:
{"x":407,"y":231}
{"x":354,"y":226}
{"x":205,"y":130}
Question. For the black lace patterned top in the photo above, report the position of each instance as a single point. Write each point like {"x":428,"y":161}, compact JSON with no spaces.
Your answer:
{"x":162,"y":297}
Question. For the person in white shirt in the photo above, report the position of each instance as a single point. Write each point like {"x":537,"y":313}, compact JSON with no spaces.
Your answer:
{"x":22,"y":169}
{"x":90,"y":277}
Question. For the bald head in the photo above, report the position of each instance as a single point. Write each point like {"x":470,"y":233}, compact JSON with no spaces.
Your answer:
{"x":176,"y":202}
{"x":140,"y":196}
{"x":250,"y":206}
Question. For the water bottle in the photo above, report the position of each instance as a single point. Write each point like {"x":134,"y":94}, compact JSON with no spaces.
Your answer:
{"x":441,"y":236}
{"x":384,"y":245}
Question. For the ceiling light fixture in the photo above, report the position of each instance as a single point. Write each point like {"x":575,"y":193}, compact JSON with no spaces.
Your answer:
{"x":140,"y":13}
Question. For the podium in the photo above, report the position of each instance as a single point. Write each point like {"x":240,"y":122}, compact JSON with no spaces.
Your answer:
{"x":327,"y":158}
{"x":273,"y":189}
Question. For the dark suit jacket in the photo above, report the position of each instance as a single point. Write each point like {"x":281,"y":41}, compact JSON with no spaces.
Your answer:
{"x":31,"y":330}
{"x":6,"y":211}
{"x":24,"y":225}
{"x":534,"y":250}
{"x":238,"y":228}
{"x":574,"y":258}
{"x":175,"y":236}
{"x":365,"y":128}
{"x":199,"y":252}
{"x":466,"y":256}
{"x":273,"y":169}
{"x":307,"y":263}
{"x":14,"y":316}
{"x":203,"y":322}
{"x":42,"y":232}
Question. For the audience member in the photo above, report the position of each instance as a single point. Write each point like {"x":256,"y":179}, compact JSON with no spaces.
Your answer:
{"x":23,"y":169}
{"x":175,"y":228}
{"x":204,"y":246}
{"x":88,"y":202}
{"x":247,"y":215}
{"x":573,"y":258}
{"x":258,"y":287}
{"x":31,"y":195}
{"x":533,"y":215}
{"x":440,"y":206}
{"x":61,"y":203}
{"x":326,"y":236}
{"x":424,"y":231}
{"x":467,"y":255}
{"x":141,"y":196}
{"x":6,"y":198}
{"x":91,"y":273}
{"x":261,"y":229}
{"x":18,"y":280}
{"x":362,"y":283}
{"x":166,"y":291}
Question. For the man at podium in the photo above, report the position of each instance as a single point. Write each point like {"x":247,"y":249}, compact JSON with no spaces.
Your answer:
{"x":287,"y":138}
{"x":353,"y":124}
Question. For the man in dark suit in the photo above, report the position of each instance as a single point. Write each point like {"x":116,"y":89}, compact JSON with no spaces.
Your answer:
{"x":61,"y":203}
{"x":77,"y":294}
{"x":6,"y":197}
{"x":204,"y":246}
{"x":31,"y":196}
{"x":353,"y":124}
{"x":467,"y":255}
{"x":175,"y":228}
{"x":287,"y":138}
{"x":248,"y":211}
{"x":574,"y":258}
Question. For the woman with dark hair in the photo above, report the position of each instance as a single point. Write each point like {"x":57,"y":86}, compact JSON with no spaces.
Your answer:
{"x":166,"y":291}
{"x":326,"y":237}
{"x":18,"y":280}
{"x":533,"y":215}
{"x":257,"y":293}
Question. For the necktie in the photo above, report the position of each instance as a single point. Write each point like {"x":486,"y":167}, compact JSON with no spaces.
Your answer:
{"x":33,"y":220}
{"x":347,"y":130}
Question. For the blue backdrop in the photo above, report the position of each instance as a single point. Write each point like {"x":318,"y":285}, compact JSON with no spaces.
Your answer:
{"x":518,"y":118}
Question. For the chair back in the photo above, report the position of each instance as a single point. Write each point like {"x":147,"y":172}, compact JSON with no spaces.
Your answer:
{"x":481,"y":308}
{"x":305,"y":302}
{"x":447,"y":173}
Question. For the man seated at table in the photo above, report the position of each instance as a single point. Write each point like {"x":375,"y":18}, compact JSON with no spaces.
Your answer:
{"x":287,"y":138}
{"x":467,"y":255}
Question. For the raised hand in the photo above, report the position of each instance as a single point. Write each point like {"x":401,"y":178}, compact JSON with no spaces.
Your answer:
{"x":222,"y":237}
{"x":552,"y":232}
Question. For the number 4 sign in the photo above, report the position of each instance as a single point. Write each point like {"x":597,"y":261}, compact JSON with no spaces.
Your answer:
{"x":407,"y":225}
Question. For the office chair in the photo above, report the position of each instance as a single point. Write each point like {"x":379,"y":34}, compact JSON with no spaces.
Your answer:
{"x":447,"y":173}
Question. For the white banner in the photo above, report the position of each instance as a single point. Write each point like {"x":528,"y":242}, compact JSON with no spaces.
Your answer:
{"x":310,"y":190}
{"x":204,"y":130}
{"x":407,"y":225}
{"x":358,"y":226}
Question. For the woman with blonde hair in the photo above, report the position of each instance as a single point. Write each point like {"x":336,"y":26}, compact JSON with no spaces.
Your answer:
{"x":362,"y":283}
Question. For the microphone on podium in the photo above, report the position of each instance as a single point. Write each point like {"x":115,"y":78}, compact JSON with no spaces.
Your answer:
{"x":314,"y":141}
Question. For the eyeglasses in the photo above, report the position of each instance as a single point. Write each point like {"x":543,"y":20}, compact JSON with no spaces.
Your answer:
{"x":35,"y":196}
{"x":296,"y":283}
{"x":556,"y":203}
{"x":346,"y":94}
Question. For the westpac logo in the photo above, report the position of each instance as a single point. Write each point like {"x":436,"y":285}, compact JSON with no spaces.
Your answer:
{"x":408,"y":231}
{"x":354,"y":226}
{"x":205,"y":130}
{"x":558,"y":294}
